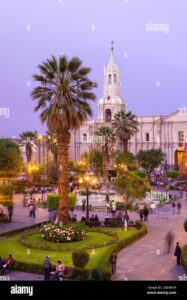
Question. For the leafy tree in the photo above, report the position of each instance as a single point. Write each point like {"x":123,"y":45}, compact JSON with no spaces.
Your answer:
{"x":37,"y":172}
{"x":85,"y":159}
{"x":125,"y":158}
{"x":131,"y":187}
{"x":52,"y":172}
{"x":6,"y":195}
{"x":150,"y":159}
{"x":78,"y":168}
{"x":95,"y":161}
{"x":63,"y":97}
{"x":11,"y":161}
{"x":125,"y":125}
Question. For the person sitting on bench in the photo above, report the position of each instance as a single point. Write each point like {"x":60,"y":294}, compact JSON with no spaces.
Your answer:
{"x":7,"y":264}
{"x":59,"y":270}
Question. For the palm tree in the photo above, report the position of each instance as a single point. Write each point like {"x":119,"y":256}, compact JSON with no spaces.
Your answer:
{"x":51,"y":143}
{"x":125,"y":125}
{"x":62,"y":95}
{"x":108,"y":140}
{"x":28,"y":141}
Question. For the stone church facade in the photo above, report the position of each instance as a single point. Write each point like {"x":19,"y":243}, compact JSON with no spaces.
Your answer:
{"x":167,"y":132}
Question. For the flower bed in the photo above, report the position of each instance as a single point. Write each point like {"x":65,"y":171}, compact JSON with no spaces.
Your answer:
{"x":63,"y":233}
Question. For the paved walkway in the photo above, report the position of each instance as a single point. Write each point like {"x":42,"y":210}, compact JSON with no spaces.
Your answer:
{"x":20,"y":276}
{"x":146,"y":259}
{"x":21,"y":216}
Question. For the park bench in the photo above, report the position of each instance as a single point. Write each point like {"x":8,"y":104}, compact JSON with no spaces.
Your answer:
{"x":67,"y":274}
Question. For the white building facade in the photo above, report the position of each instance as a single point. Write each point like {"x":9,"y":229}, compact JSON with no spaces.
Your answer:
{"x":167,"y":132}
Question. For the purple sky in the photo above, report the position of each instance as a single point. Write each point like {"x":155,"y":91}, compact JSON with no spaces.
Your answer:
{"x":32,"y":30}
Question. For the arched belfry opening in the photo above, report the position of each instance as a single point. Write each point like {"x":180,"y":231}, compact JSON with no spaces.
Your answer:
{"x":109,"y":79}
{"x":108,"y":115}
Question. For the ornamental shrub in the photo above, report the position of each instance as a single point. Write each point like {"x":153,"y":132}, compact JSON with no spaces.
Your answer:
{"x":185,"y":225}
{"x":80,"y":258}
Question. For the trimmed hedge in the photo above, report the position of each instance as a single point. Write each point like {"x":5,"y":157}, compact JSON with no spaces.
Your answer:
{"x":3,"y":218}
{"x":52,"y":201}
{"x":80,"y":258}
{"x":184,"y":257}
{"x":93,"y":223}
{"x":113,"y":222}
{"x":78,"y":274}
{"x":173,"y":174}
{"x":185,"y":225}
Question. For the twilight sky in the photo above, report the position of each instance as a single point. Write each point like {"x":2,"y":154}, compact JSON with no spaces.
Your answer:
{"x":150,"y":47}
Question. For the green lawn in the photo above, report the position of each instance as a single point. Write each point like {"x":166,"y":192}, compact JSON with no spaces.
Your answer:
{"x":98,"y":256}
{"x":94,"y":239}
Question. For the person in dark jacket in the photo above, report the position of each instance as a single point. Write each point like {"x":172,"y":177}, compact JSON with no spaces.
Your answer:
{"x":47,"y":268}
{"x":10,"y":213}
{"x":179,"y":207}
{"x":145,"y":213}
{"x":178,"y":253}
{"x":169,"y":238}
{"x":141,"y":215}
{"x":113,"y":261}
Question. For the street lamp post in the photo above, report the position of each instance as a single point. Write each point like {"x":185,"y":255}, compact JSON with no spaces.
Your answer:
{"x":87,"y":202}
{"x":87,"y":180}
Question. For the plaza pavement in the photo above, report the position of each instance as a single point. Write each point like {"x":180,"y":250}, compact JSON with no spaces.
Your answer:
{"x":146,"y":259}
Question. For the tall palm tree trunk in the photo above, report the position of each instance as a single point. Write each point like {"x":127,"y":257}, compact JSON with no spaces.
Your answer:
{"x":125,"y":145}
{"x":62,"y":152}
{"x":104,"y":165}
{"x":29,"y":157}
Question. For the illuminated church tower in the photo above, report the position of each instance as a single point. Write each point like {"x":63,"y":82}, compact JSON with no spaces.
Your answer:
{"x":112,"y":100}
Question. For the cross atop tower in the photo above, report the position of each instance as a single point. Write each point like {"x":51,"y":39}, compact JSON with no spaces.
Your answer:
{"x":112,"y":45}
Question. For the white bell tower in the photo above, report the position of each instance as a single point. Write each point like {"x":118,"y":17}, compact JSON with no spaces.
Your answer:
{"x":112,"y":100}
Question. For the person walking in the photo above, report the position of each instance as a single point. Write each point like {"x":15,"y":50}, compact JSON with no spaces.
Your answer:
{"x":108,"y":206}
{"x":47,"y":268}
{"x":113,"y":261}
{"x":33,"y":212}
{"x":126,"y":217}
{"x":113,"y":208}
{"x":10,"y":213}
{"x":141,"y":215}
{"x":145,"y":213}
{"x":169,"y":240}
{"x":177,"y":253}
{"x":173,"y":207}
{"x":178,"y":208}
